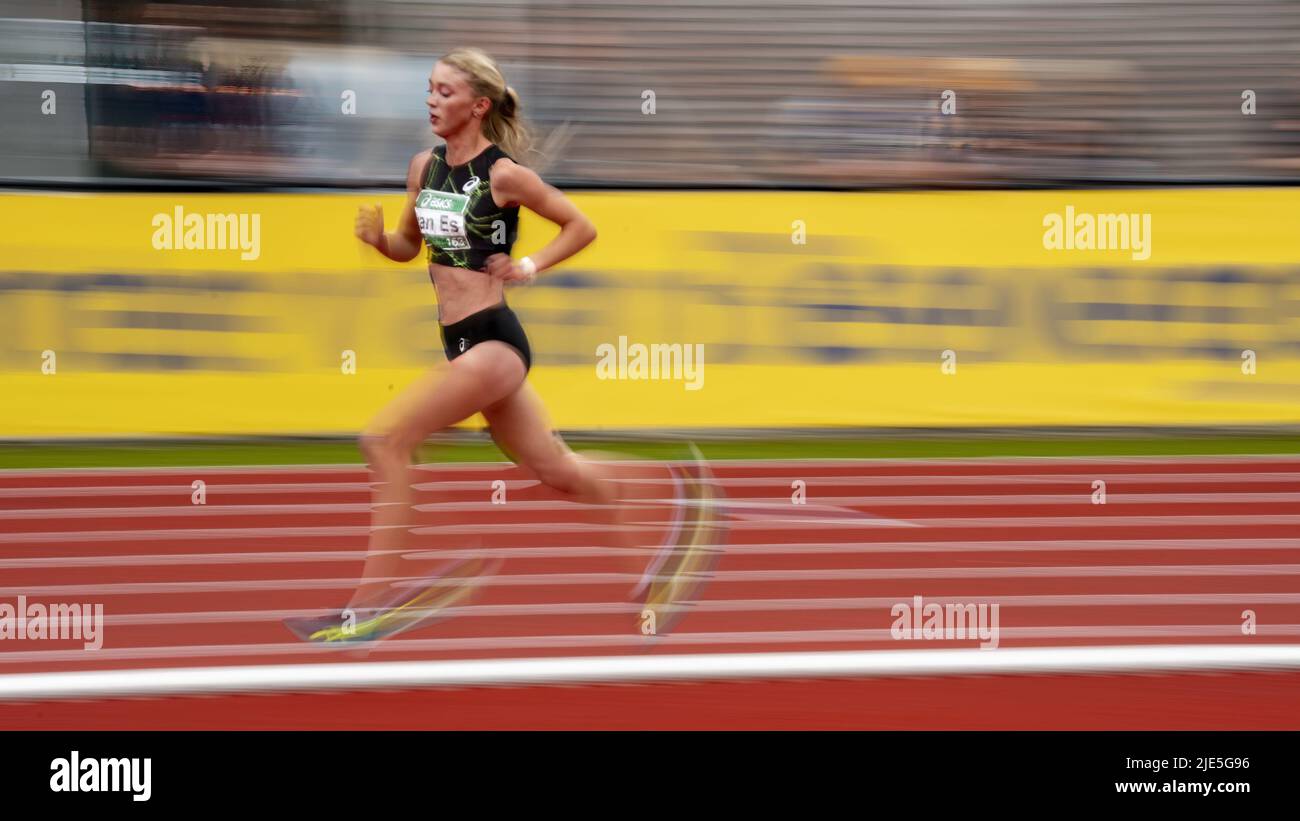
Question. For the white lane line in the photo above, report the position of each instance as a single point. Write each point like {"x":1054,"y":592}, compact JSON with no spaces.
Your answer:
{"x":718,"y":577}
{"x":172,"y":559}
{"x":857,"y":605}
{"x":180,"y":534}
{"x":849,"y":505}
{"x":838,"y":479}
{"x":1112,"y":479}
{"x":345,"y":675}
{"x":343,"y":531}
{"x":186,"y":509}
{"x":749,"y":522}
{"x":761,"y":524}
{"x":341,"y":553}
{"x":782,"y":502}
{"x":182,"y":510}
{"x":184,"y":489}
{"x":745,"y":522}
{"x":844,"y":504}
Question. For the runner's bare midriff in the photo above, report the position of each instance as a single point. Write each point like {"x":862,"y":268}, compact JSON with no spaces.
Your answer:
{"x":462,"y":291}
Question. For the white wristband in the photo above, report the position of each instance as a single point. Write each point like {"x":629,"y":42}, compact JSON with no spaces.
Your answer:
{"x":530,"y":268}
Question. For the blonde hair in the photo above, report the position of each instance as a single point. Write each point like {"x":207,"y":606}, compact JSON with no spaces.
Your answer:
{"x":503,"y":124}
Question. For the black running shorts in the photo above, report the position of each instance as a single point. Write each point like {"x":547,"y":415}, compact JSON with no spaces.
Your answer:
{"x":497,"y":322}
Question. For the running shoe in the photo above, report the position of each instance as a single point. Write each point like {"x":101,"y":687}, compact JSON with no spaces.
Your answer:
{"x":683,"y":567}
{"x":406,"y":610}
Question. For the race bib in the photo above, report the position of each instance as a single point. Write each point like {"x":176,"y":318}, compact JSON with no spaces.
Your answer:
{"x":441,"y":215}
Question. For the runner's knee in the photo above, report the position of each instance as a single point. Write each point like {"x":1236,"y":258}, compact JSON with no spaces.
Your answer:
{"x":383,"y":448}
{"x":561,"y":471}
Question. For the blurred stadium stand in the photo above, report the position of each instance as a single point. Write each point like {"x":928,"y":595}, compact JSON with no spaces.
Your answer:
{"x":756,"y":93}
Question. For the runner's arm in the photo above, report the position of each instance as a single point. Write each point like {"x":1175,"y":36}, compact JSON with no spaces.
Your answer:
{"x":403,"y":245}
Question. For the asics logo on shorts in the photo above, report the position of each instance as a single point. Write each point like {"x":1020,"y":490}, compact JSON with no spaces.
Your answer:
{"x":462,"y":344}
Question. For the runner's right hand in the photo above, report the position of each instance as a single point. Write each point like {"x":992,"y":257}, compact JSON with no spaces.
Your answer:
{"x":370,"y":224}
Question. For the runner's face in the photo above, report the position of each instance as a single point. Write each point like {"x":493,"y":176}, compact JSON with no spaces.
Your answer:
{"x":451,"y":102}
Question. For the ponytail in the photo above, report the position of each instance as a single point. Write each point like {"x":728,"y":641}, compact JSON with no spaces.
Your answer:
{"x":504,"y":126}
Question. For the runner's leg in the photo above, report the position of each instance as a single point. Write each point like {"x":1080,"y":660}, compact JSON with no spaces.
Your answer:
{"x":440,"y":398}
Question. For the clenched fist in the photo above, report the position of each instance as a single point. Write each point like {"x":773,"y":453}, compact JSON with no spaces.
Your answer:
{"x":370,"y":224}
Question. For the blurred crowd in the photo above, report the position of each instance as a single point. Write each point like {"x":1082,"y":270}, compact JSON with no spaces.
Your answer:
{"x":629,"y":94}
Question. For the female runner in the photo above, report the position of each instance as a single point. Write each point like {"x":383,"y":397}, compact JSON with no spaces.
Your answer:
{"x":463,"y":200}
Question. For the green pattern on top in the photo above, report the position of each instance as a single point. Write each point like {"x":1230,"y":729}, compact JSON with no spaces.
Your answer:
{"x":478,"y":226}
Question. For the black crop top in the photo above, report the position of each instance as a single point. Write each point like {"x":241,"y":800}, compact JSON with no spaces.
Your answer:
{"x":458,"y":219}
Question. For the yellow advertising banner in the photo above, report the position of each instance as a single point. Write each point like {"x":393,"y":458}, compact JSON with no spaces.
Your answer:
{"x":181,"y":314}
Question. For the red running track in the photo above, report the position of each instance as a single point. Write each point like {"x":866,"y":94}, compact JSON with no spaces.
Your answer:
{"x":1180,"y":549}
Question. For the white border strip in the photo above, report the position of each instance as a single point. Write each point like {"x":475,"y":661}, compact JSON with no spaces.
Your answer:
{"x":341,"y":676}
